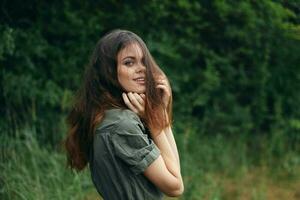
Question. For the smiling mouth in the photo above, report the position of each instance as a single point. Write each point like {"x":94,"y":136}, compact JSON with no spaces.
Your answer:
{"x":140,"y":80}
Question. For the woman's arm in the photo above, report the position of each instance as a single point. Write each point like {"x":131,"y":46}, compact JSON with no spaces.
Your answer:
{"x":164,"y":172}
{"x":169,"y":133}
{"x":167,"y":153}
{"x":164,"y":85}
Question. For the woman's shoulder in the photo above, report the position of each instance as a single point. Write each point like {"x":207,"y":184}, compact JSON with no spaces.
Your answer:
{"x":118,"y":118}
{"x":121,"y":114}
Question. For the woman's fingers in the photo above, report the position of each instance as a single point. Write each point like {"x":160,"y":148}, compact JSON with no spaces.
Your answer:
{"x":164,"y":82}
{"x":143,"y":96}
{"x":164,"y":88}
{"x":128,"y":103}
{"x":139,"y":98}
{"x":166,"y":92}
{"x":137,"y":103}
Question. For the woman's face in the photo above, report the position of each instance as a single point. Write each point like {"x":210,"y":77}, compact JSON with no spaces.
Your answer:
{"x":131,"y":70}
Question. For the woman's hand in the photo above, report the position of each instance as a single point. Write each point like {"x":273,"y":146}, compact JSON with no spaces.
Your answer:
{"x":135,"y":102}
{"x":163,"y":84}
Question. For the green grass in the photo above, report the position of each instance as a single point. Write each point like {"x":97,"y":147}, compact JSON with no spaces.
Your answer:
{"x":31,"y":171}
{"x":214,"y":168}
{"x":239,"y":167}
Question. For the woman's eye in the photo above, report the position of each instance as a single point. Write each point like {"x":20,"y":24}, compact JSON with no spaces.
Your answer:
{"x":128,"y":63}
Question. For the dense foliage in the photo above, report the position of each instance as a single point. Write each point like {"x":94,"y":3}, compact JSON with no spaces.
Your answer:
{"x":234,"y":65}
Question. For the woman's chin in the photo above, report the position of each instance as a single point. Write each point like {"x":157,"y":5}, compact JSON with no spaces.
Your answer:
{"x":138,"y":90}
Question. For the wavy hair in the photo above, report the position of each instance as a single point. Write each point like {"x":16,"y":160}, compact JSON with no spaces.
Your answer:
{"x":101,"y":90}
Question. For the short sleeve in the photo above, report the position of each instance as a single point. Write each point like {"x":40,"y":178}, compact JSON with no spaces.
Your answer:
{"x":133,"y":146}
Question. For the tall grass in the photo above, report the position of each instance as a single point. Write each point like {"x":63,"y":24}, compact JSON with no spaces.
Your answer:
{"x":219,"y":167}
{"x":30,"y":171}
{"x":214,"y":168}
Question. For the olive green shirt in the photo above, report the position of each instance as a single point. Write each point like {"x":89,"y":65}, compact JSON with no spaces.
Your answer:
{"x":122,"y":150}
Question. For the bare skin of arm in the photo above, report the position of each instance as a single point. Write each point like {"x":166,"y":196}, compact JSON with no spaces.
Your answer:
{"x":169,"y":133}
{"x":164,"y":172}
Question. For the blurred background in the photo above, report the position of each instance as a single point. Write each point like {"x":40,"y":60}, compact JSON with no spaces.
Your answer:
{"x":234,"y":67}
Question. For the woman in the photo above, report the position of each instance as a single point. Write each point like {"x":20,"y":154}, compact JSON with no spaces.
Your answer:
{"x":121,"y":123}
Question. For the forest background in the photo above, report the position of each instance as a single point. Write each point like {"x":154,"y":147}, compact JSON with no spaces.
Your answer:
{"x":234,"y":67}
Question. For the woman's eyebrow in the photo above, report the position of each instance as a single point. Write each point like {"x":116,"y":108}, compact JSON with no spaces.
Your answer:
{"x":132,"y":57}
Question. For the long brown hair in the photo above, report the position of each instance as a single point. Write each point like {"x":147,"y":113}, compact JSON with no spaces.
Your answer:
{"x":101,"y":90}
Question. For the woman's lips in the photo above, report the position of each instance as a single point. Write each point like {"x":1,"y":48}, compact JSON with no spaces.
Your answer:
{"x":140,"y":80}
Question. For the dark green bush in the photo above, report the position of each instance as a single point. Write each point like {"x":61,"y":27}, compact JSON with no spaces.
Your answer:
{"x":234,"y":65}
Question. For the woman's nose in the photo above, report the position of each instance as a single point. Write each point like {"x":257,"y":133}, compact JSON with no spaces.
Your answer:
{"x":141,"y":68}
